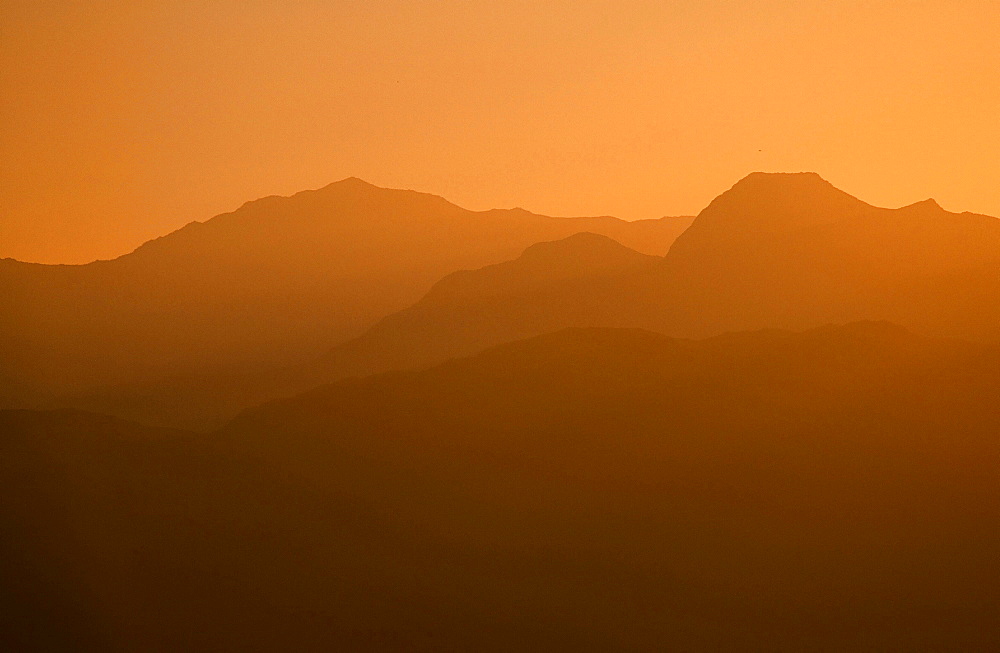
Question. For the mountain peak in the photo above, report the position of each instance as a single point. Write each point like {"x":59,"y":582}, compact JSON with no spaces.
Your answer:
{"x":776,"y":201}
{"x":929,"y":203}
{"x":782,"y":182}
{"x":582,"y":255}
{"x":768,"y":190}
{"x":583,"y":241}
{"x":354,"y":181}
{"x":357,"y":189}
{"x":583,"y":250}
{"x":759,"y":175}
{"x":350,"y":183}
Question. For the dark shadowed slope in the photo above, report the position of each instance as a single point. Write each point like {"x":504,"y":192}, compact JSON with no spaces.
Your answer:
{"x":67,"y":540}
{"x":584,"y":490}
{"x":277,"y":279}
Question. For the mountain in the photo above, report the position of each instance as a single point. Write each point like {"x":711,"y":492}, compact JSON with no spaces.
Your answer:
{"x":775,"y":251}
{"x":279,"y":279}
{"x":792,"y":251}
{"x":593,"y":489}
{"x":552,"y":285}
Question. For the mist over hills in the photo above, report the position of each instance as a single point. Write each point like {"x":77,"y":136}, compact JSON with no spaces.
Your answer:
{"x":278,"y":279}
{"x":591,"y":489}
{"x":775,"y":251}
{"x":552,"y":285}
{"x":572,"y":282}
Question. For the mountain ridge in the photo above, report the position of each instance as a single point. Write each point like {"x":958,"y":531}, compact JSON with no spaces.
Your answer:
{"x":341,"y":187}
{"x":278,"y":280}
{"x":935,"y":272}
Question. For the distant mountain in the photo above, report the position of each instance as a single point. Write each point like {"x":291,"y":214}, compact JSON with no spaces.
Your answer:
{"x":552,"y":285}
{"x":280,"y":278}
{"x":591,"y":489}
{"x":775,"y":251}
{"x":792,"y":251}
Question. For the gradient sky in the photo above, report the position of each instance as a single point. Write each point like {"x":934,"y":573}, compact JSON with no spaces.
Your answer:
{"x":121,"y":121}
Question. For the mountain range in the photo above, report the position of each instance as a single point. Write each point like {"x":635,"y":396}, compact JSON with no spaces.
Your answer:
{"x":279,"y":279}
{"x":775,"y":251}
{"x":365,"y":419}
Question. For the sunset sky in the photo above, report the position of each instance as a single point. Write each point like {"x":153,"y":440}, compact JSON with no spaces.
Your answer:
{"x":120,"y":121}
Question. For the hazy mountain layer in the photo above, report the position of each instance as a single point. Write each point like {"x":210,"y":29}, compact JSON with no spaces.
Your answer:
{"x":792,"y":251}
{"x":551,"y":286}
{"x":278,"y":279}
{"x":775,"y":251}
{"x":585,"y":490}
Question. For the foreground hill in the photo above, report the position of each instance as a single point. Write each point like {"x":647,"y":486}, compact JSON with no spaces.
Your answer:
{"x":589,"y":489}
{"x":277,"y":279}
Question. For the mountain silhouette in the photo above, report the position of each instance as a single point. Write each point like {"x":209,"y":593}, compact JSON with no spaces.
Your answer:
{"x":775,"y":251}
{"x":552,"y":285}
{"x":279,"y":279}
{"x":792,"y":251}
{"x":593,"y":489}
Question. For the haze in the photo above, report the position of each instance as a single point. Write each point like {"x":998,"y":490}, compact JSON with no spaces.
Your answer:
{"x":122,"y":123}
{"x":459,"y":326}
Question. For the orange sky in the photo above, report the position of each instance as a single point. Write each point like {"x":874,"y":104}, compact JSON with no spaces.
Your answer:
{"x":120,"y":121}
